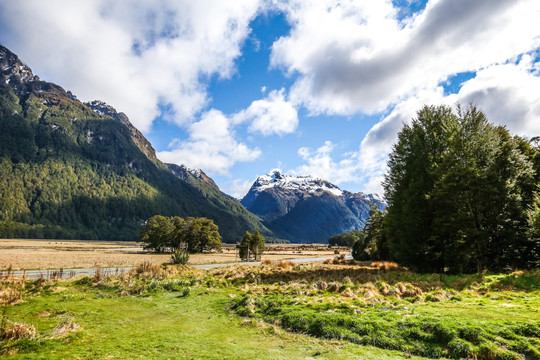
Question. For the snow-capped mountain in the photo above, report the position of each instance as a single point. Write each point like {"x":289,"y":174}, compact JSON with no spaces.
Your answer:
{"x":304,"y":208}
{"x":307,"y":184}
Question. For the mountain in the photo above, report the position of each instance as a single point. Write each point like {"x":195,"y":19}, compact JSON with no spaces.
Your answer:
{"x":81,"y":170}
{"x":307,"y":209}
{"x":196,"y":177}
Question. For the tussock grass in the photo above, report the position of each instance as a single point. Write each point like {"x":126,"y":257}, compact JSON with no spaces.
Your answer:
{"x":11,"y":331}
{"x":474,"y":316}
{"x":358,"y":310}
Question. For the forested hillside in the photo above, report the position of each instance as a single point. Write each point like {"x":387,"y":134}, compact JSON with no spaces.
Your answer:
{"x":69,"y":171}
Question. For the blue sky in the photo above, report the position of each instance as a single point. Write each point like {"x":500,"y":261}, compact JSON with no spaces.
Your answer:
{"x":320,"y":88}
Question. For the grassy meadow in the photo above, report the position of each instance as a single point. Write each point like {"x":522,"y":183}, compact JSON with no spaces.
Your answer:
{"x":338,"y":310}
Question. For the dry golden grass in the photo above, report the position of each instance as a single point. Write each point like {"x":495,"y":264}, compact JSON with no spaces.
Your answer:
{"x":66,"y":254}
{"x":16,"y":331}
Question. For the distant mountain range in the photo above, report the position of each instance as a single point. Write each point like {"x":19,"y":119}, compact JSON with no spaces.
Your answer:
{"x":307,"y":209}
{"x":83,"y":171}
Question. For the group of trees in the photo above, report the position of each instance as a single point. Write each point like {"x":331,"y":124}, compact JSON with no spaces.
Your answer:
{"x":252,"y":246}
{"x":463,"y":196}
{"x":161,"y":233}
{"x":346,"y":239}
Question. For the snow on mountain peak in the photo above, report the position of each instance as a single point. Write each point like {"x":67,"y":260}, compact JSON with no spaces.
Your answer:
{"x":307,"y":184}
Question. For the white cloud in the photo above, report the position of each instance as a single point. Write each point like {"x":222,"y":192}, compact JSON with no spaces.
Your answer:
{"x":134,"y":55}
{"x":320,"y":164}
{"x":272,"y":115}
{"x":211,"y":146}
{"x":238,"y":188}
{"x":364,"y":59}
{"x":507,"y":93}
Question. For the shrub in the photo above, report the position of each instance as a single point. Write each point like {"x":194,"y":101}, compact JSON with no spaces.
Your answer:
{"x":359,"y":251}
{"x":180,"y":257}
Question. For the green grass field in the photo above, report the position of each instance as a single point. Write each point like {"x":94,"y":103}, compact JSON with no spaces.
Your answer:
{"x":273,"y":312}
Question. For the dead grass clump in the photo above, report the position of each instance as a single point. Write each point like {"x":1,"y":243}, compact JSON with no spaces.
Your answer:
{"x":321,"y":285}
{"x":10,"y":296}
{"x":340,"y":260}
{"x":385,"y":265}
{"x":369,"y":291}
{"x":284,"y":264}
{"x":333,"y":287}
{"x":66,"y":327}
{"x":437,"y":296}
{"x":11,"y":290}
{"x":266,"y":262}
{"x":15,"y":331}
{"x":386,"y":289}
{"x":348,"y":293}
{"x":404,"y":290}
{"x":149,"y":269}
{"x":43,"y":314}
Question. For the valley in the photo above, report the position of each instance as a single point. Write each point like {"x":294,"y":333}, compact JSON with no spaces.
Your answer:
{"x":20,"y":254}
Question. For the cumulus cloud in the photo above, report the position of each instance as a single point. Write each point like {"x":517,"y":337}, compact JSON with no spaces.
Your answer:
{"x":136,"y":55}
{"x":272,"y":115}
{"x":238,"y":188}
{"x":365,"y":59}
{"x":507,"y":93}
{"x":368,"y":60}
{"x":211,"y":146}
{"x":320,"y":163}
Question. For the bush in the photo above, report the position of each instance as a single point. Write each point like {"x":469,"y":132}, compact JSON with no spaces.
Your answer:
{"x":180,"y":257}
{"x":359,"y":251}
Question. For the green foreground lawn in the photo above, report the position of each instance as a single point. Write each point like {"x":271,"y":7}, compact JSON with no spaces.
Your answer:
{"x":164,"y":325}
{"x":225,"y":315}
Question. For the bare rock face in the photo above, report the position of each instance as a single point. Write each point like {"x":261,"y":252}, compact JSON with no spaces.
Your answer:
{"x":188,"y":174}
{"x":307,"y":209}
{"x":14,"y":72}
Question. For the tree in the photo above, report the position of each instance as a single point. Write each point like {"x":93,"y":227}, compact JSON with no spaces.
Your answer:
{"x":376,"y":241}
{"x":257,"y":244}
{"x":345,"y":239}
{"x":408,"y":185}
{"x":359,"y":250}
{"x":458,"y":191}
{"x":252,"y":245}
{"x":155,"y":234}
{"x":208,"y":234}
{"x":245,"y":246}
{"x":192,"y":234}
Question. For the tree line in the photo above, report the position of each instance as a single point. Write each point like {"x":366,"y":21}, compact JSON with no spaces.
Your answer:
{"x":161,"y":234}
{"x":463,"y":196}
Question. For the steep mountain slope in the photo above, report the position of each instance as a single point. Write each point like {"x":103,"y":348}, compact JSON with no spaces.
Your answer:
{"x":305,"y":209}
{"x":74,"y":170}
